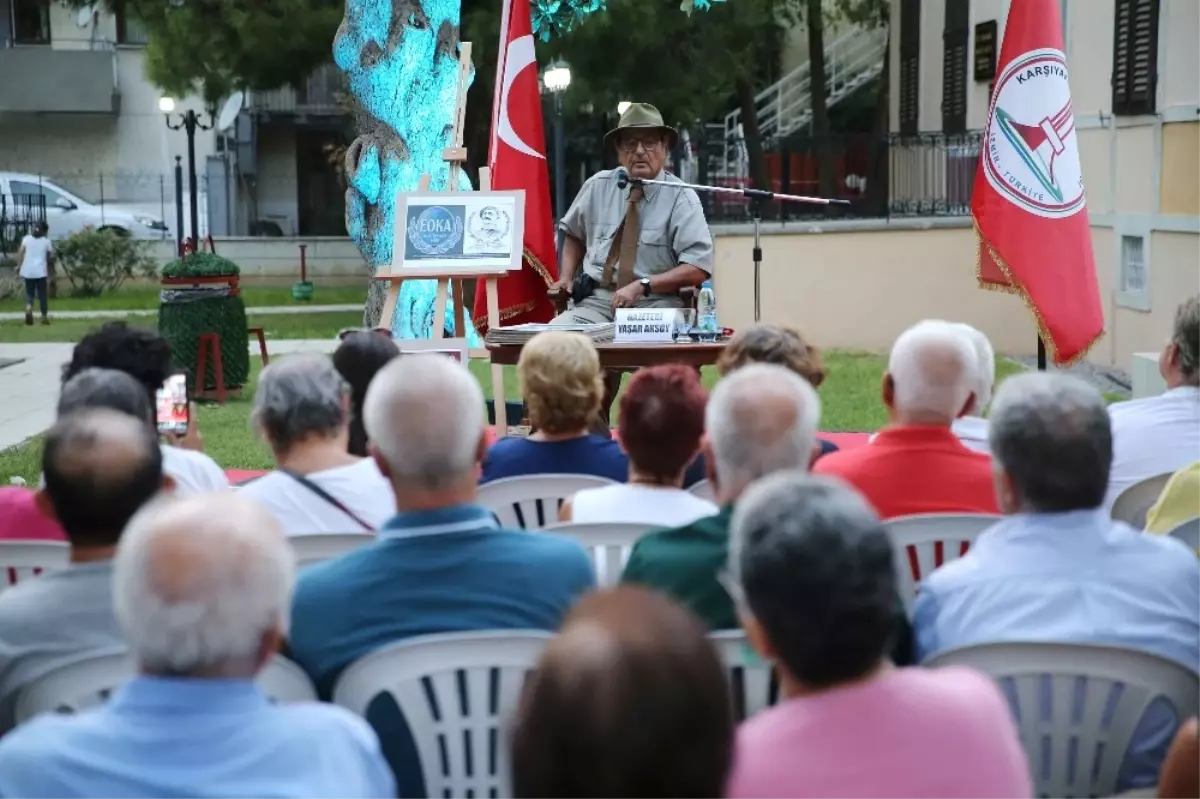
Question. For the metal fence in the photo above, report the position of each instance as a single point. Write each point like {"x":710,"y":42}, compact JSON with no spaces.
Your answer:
{"x":17,"y":216}
{"x":930,"y":174}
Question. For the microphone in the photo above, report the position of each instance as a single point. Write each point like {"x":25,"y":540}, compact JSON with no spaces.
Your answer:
{"x":622,"y":177}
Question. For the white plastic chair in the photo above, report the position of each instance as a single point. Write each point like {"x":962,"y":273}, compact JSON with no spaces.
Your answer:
{"x":704,"y":490}
{"x":89,"y":681}
{"x":924,"y":541}
{"x":1077,"y":706}
{"x":608,"y":545}
{"x":20,"y":560}
{"x":752,"y":682}
{"x":455,"y":691}
{"x":317,"y":547}
{"x":1132,"y":504}
{"x":531,"y":502}
{"x":1188,"y":532}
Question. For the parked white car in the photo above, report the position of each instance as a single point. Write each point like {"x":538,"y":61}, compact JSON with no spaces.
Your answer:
{"x":67,"y":213}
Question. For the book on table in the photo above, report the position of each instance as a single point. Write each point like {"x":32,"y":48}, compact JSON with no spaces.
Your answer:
{"x":519,"y":334}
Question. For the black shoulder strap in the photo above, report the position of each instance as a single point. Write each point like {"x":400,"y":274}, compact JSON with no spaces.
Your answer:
{"x":330,"y":498}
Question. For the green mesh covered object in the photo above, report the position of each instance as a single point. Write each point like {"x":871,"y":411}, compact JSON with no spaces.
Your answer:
{"x":187,"y":312}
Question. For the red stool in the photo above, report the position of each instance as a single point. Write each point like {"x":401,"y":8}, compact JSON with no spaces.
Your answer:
{"x":210,"y":341}
{"x":262,"y":343}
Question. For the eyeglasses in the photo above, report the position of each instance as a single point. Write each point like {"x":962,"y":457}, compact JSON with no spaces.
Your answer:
{"x":649,"y":144}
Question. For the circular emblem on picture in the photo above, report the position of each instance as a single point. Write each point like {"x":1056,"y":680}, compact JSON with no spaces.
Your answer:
{"x":1031,"y":155}
{"x":435,"y":231}
{"x":488,"y":226}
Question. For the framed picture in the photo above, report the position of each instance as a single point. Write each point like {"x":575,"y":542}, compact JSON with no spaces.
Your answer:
{"x":458,"y":232}
{"x":455,"y":348}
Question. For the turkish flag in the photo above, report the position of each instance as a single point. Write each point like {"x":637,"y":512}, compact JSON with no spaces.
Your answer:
{"x":1028,"y":201}
{"x":517,"y":158}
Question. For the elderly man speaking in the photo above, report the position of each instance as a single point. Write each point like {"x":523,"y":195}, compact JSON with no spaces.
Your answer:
{"x":635,"y":246}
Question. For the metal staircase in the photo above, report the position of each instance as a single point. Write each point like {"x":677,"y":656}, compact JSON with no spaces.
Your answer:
{"x":851,"y":60}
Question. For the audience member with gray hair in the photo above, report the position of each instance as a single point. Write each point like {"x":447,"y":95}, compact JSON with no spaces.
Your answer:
{"x":302,"y":409}
{"x":202,"y":589}
{"x":443,"y":563}
{"x":917,"y":464}
{"x":1058,"y":568}
{"x":99,"y":467}
{"x":812,"y":567}
{"x":1160,"y":435}
{"x":972,"y":428}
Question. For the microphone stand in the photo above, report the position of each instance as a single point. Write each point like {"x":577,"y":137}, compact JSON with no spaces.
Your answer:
{"x":756,"y":198}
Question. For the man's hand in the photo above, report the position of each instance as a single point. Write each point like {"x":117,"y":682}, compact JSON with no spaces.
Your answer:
{"x":559,"y":285}
{"x":191,"y":439}
{"x":628,"y":296}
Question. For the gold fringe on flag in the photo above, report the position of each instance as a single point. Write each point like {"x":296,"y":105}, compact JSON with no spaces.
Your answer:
{"x":512,"y":311}
{"x":1015,"y":286}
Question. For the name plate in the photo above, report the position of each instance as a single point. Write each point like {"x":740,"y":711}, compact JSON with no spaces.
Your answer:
{"x":644,"y":326}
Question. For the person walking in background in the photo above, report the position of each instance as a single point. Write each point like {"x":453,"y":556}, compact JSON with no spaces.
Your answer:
{"x":34,"y":258}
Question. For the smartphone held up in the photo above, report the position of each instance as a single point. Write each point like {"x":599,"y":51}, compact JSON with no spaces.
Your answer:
{"x":173,"y":409}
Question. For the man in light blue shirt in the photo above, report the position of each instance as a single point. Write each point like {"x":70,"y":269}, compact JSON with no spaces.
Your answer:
{"x":202,"y":588}
{"x":1058,"y":569}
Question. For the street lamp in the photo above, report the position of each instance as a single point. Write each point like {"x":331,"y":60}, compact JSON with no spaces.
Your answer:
{"x":189,"y":121}
{"x":556,"y":79}
{"x":623,"y":106}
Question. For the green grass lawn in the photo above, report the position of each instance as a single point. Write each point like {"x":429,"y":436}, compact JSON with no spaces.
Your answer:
{"x":275,"y":326}
{"x":145,"y":296}
{"x":849,"y":396}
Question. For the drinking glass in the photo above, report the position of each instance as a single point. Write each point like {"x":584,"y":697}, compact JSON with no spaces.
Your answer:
{"x":685,"y":320}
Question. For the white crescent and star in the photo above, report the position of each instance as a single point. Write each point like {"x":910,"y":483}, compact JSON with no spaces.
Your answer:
{"x":520,"y":56}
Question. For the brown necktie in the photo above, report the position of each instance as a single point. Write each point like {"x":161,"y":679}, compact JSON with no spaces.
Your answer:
{"x":625,"y":242}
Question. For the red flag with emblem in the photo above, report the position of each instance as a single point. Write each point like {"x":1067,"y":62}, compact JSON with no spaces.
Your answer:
{"x":517,"y":158}
{"x":1028,"y":201}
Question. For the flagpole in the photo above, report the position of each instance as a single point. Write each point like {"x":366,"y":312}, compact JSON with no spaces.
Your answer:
{"x":1041,"y":355}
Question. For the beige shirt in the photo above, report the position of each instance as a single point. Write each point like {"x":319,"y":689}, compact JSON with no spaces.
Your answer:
{"x":673,"y":230}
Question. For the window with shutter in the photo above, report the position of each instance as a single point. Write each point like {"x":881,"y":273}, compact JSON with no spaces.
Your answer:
{"x":1135,"y":56}
{"x":955,"y":39}
{"x":910,"y":65}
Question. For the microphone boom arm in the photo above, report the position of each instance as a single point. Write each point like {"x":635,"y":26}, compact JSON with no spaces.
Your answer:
{"x":623,"y":180}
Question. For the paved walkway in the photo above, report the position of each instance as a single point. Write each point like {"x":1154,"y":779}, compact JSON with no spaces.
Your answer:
{"x":29,"y":389}
{"x":118,"y":314}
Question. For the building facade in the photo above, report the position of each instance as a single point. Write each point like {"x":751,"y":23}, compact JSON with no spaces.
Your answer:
{"x":1135,"y":83}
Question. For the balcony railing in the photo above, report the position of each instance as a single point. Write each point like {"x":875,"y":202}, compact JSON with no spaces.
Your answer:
{"x":73,"y":75}
{"x":319,"y":96}
{"x":930,"y":174}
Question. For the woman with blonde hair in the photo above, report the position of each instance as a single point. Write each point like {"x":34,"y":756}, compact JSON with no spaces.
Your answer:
{"x":562,"y":384}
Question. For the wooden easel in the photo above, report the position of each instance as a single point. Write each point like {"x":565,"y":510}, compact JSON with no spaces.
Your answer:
{"x":455,"y":156}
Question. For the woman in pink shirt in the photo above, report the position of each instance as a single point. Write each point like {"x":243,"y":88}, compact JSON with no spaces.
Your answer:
{"x":812,"y":572}
{"x":22,"y":520}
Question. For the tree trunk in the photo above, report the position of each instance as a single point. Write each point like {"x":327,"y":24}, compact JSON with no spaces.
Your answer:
{"x":751,"y":135}
{"x":817,"y":84}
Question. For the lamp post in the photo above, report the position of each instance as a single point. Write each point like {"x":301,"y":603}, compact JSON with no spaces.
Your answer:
{"x":556,"y":79}
{"x":623,"y":106}
{"x":189,"y":121}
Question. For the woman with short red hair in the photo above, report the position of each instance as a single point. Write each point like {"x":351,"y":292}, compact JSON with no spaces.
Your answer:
{"x":662,"y":422}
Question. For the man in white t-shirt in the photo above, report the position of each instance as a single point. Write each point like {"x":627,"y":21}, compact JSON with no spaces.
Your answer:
{"x":35,"y":257}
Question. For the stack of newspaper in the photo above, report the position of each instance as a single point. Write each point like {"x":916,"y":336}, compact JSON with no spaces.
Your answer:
{"x":519,"y":334}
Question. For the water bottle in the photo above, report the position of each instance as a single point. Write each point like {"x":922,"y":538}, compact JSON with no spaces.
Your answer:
{"x":706,"y":313}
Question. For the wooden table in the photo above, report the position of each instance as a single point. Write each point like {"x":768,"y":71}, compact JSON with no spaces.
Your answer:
{"x":629,"y":356}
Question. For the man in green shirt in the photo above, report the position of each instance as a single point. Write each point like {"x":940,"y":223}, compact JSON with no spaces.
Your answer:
{"x":760,"y":419}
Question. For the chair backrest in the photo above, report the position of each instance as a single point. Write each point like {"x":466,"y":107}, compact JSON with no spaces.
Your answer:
{"x":704,"y":490}
{"x":1188,"y":532}
{"x":531,"y":502}
{"x":925,"y":541}
{"x":752,"y":681}
{"x":608,"y":545}
{"x":20,"y":560}
{"x":89,"y":681}
{"x":1132,"y":504}
{"x":315,"y":548}
{"x":456,"y":692}
{"x":1077,"y":706}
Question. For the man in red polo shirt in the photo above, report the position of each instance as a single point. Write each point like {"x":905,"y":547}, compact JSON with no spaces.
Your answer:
{"x":916,"y":464}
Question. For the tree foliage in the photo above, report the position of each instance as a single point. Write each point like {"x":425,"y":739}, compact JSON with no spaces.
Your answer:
{"x":212,"y":47}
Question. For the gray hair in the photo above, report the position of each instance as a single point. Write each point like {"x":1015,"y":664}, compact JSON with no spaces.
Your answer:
{"x":932,"y":366}
{"x":1187,"y":338}
{"x":199,"y":581}
{"x":1050,"y":434}
{"x":985,"y":367}
{"x":300,"y":396}
{"x":105,"y":388}
{"x":424,"y":414}
{"x":760,"y":419}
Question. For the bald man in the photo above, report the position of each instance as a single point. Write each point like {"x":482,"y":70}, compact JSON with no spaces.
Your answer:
{"x":202,"y":589}
{"x":100,"y":467}
{"x":917,"y":464}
